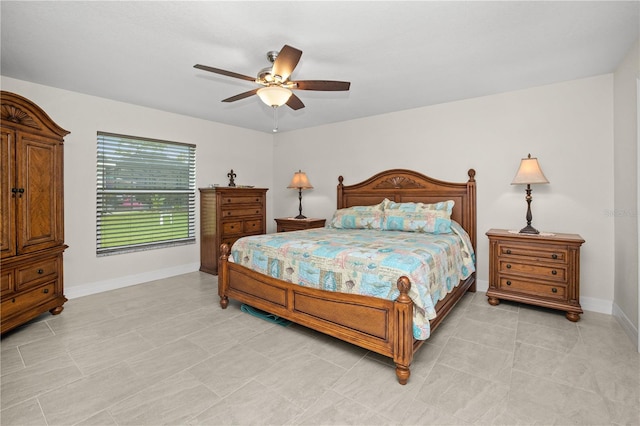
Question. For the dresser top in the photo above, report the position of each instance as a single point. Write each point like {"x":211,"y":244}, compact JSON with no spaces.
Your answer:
{"x":542,"y":236}
{"x":231,"y":188}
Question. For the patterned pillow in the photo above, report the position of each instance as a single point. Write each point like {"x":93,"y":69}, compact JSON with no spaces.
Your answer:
{"x":358,"y":217}
{"x":418,"y":217}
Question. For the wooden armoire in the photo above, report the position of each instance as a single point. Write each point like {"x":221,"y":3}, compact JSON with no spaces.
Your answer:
{"x":32,"y":215}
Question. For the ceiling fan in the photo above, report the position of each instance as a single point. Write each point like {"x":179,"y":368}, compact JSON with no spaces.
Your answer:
{"x":276,"y":87}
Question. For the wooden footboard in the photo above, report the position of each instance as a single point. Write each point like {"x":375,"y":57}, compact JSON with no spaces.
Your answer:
{"x":382,"y":326}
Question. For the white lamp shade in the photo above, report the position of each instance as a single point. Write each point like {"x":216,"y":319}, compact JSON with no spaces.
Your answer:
{"x":529,"y":172}
{"x":274,"y":96}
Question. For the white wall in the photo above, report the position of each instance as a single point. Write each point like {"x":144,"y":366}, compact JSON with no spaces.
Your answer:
{"x":219,"y":148}
{"x":626,"y":191}
{"x":568,"y":126}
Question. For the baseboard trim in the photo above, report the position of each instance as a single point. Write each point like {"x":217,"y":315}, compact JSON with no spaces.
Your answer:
{"x":628,"y":327}
{"x":587,"y":303}
{"x":129,"y":280}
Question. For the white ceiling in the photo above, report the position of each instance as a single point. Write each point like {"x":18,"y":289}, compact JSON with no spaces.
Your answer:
{"x":397,"y":55}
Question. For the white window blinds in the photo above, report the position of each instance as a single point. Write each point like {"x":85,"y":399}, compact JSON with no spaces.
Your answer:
{"x":145,"y":193}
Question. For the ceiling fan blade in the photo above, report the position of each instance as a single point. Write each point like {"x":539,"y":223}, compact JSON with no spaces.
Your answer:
{"x":286,"y":61}
{"x":241,"y":96}
{"x":294,"y":102}
{"x":325,"y":85}
{"x":224,"y":72}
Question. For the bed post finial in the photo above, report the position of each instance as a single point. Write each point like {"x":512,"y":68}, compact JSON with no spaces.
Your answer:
{"x":340,"y":179}
{"x":404,"y":285}
{"x":472,"y":175}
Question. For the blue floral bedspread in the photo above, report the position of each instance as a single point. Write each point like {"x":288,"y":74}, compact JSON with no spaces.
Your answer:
{"x":367,"y":262}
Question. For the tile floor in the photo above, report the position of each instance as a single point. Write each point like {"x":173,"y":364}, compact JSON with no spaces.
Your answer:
{"x":164,"y":352}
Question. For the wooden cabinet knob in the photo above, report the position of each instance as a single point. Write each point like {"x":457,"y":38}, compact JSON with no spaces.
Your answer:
{"x":554,"y":256}
{"x":508,"y":251}
{"x":554,"y":272}
{"x":508,"y":266}
{"x":45,"y":291}
{"x":508,"y":282}
{"x":554,"y":290}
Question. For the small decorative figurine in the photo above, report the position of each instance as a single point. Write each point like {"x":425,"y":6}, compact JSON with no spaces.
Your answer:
{"x":231,"y":175}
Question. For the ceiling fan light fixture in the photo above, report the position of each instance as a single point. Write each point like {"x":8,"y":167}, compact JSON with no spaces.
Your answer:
{"x":274,"y":96}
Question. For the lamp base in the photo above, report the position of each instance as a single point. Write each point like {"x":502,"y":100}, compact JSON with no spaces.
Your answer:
{"x":300,"y":217}
{"x":529,"y":230}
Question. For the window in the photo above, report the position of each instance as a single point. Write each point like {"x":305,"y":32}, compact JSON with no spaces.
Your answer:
{"x":146,"y":194}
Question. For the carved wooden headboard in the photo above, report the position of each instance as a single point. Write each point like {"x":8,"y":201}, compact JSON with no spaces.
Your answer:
{"x":401,"y":185}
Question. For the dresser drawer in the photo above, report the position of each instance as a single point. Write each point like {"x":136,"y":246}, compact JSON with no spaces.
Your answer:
{"x":540,"y":271}
{"x":533,"y":288}
{"x":229,"y":241}
{"x":27,"y":299}
{"x":253,"y":226}
{"x":242,"y":212}
{"x":230,"y":228}
{"x":6,"y":282}
{"x":554,"y":254}
{"x":37,"y":272}
{"x":241,"y":199}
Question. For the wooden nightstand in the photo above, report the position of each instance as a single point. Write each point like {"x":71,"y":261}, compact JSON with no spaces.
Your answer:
{"x":286,"y":224}
{"x":541,"y":270}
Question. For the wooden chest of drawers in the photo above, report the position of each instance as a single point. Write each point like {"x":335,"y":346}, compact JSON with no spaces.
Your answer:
{"x":227,"y":214}
{"x":541,"y":270}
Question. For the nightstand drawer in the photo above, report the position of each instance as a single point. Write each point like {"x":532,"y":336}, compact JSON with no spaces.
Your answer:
{"x":286,"y":224}
{"x":554,"y":273}
{"x":533,"y":288}
{"x":532,"y":251}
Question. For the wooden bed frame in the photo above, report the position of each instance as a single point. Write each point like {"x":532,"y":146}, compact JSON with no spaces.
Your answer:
{"x":382,"y":326}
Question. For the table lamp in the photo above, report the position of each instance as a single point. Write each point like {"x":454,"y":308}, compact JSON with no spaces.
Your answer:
{"x":529,"y":173}
{"x":300,"y":182}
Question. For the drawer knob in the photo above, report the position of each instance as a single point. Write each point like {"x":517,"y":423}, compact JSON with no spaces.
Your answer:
{"x":508,"y":251}
{"x":13,"y":300}
{"x":45,"y":291}
{"x":40,"y":271}
{"x":508,"y":266}
{"x":554,"y":256}
{"x":554,"y":272}
{"x":508,"y":282}
{"x":554,"y":290}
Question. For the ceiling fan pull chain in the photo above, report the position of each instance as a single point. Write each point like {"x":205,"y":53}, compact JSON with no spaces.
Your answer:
{"x":275,"y":118}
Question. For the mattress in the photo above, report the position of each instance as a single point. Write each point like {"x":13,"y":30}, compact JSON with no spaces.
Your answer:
{"x":365,"y":261}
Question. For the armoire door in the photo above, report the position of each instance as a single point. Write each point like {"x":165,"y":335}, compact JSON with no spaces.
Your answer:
{"x":7,"y":201}
{"x":38,"y":208}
